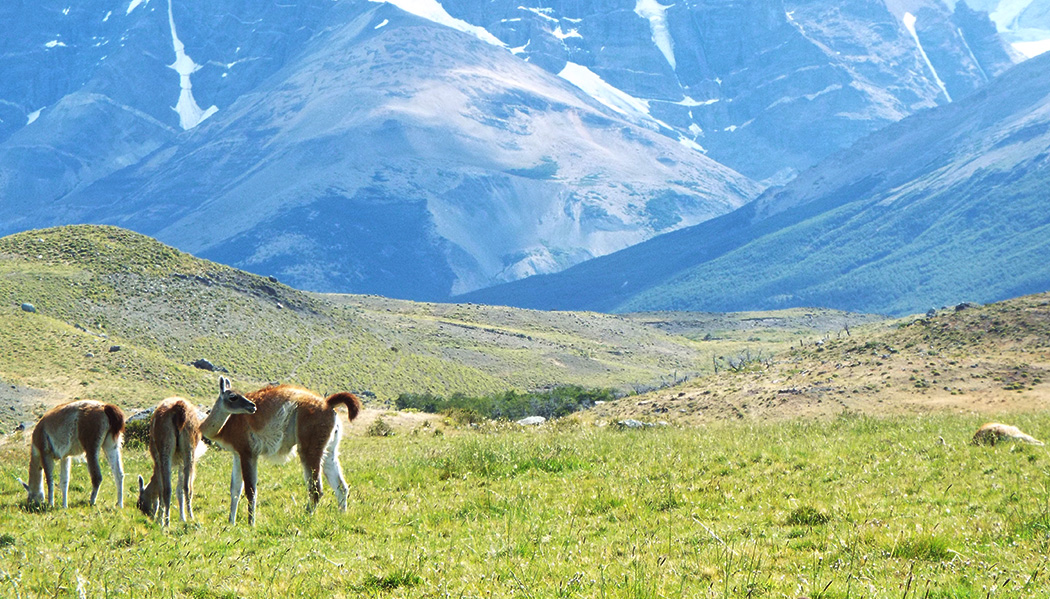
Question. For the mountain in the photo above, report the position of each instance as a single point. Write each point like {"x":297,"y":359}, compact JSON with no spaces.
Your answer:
{"x":418,"y":150}
{"x":1025,"y":24}
{"x":348,"y":146}
{"x":946,"y":206}
{"x":768,"y":87}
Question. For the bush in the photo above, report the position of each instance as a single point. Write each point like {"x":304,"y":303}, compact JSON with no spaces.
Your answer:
{"x":509,"y":405}
{"x":379,"y":428}
{"x":136,"y":433}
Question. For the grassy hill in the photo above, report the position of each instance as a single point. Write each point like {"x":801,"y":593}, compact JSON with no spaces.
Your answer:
{"x":97,"y":287}
{"x":992,"y":359}
{"x":786,"y":488}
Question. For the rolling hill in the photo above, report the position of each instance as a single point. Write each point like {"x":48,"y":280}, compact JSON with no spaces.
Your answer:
{"x":119,"y":316}
{"x":992,"y":360}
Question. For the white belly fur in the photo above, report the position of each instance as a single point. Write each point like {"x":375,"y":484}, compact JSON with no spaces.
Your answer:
{"x":277,"y":441}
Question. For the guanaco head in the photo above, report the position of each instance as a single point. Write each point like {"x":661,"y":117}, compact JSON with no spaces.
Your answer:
{"x":149,"y":500}
{"x":233,"y":402}
{"x":34,"y":495}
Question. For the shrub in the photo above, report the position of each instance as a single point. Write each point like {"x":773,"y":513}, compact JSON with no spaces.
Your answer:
{"x":509,"y":405}
{"x":379,"y":428}
{"x":136,"y":433}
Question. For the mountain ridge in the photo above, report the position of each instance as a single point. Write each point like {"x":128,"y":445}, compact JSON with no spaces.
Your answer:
{"x":962,"y":219}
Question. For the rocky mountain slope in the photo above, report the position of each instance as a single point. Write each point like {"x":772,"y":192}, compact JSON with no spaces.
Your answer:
{"x":944,"y":207}
{"x":767,"y":87}
{"x":348,"y":146}
{"x":1023,"y":23}
{"x":418,"y":149}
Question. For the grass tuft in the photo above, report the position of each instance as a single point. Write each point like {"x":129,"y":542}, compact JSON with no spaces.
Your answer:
{"x":397,"y":579}
{"x":807,"y":516}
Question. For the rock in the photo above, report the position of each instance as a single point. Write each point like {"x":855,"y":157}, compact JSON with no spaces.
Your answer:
{"x":271,"y":279}
{"x":207,"y":365}
{"x":28,"y":307}
{"x":532,"y":421}
{"x":89,"y":355}
{"x":630,"y":423}
{"x":965,"y":306}
{"x":114,"y":348}
{"x":141,"y":415}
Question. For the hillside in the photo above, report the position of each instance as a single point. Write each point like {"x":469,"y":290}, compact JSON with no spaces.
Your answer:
{"x":962,"y":218}
{"x":992,"y":359}
{"x":96,"y":287}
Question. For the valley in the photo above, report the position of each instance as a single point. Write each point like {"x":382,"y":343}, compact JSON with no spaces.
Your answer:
{"x":765,"y":267}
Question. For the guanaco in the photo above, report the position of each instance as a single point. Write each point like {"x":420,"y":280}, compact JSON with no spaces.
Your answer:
{"x":79,"y":427}
{"x":287,"y":417}
{"x":174,"y":440}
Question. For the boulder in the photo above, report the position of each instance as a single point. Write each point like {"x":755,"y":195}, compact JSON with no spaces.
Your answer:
{"x":532,"y":421}
{"x":204,"y":364}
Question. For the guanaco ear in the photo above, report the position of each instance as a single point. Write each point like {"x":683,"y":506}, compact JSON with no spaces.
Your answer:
{"x":24,"y":485}
{"x":224,"y":384}
{"x":142,"y":487}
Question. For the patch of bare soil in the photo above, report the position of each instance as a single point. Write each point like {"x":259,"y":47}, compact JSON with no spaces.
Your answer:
{"x":400,"y":422}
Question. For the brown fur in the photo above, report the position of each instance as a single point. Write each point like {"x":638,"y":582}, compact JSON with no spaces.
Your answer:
{"x":287,"y":417}
{"x":175,"y":440}
{"x":993,"y":432}
{"x":71,"y":429}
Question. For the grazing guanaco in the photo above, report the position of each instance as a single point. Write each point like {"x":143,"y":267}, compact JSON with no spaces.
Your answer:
{"x":174,"y":440}
{"x":79,"y":427}
{"x":287,"y":417}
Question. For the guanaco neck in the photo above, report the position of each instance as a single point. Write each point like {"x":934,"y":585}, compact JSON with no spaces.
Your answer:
{"x":215,"y":421}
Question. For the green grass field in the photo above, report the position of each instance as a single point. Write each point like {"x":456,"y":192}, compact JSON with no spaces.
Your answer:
{"x":854,"y":507}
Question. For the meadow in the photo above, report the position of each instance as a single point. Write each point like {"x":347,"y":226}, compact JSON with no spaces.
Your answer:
{"x":855,"y":506}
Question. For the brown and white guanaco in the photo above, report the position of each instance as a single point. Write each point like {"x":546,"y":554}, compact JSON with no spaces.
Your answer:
{"x":287,"y":418}
{"x":79,"y":427}
{"x":174,"y":441}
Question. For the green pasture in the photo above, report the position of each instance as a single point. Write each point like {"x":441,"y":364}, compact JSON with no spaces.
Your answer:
{"x":855,"y":507}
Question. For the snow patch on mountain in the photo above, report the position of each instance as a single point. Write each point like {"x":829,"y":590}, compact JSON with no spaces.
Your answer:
{"x":688,"y":101}
{"x":563,"y":35}
{"x":909,"y":24}
{"x":432,"y":10}
{"x":540,"y":12}
{"x":603,"y":91}
{"x":969,"y":51}
{"x":135,"y":4}
{"x":656,"y":14}
{"x":190,"y":113}
{"x":827,"y":90}
{"x":1032,"y":49}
